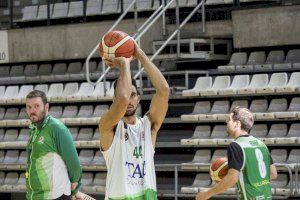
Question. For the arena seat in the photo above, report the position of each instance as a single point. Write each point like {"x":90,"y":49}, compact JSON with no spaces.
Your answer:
{"x":201,"y":134}
{"x":273,"y":58}
{"x":55,"y":91}
{"x":256,"y":59}
{"x":94,"y":74}
{"x":98,"y":159}
{"x":93,"y":7}
{"x":69,"y":115}
{"x":293,"y":56}
{"x":281,"y":184}
{"x":84,"y":114}
{"x":60,"y":10}
{"x":59,"y":72}
{"x":42,"y":87}
{"x":75,"y":71}
{"x":11,"y":116}
{"x":276,"y":105}
{"x":86,"y":157}
{"x":238,"y":58}
{"x":11,"y":157}
{"x":56,"y":111}
{"x":43,"y":13}
{"x":69,"y":90}
{"x":21,"y":184}
{"x":181,"y":3}
{"x":238,"y":83}
{"x":85,"y":134}
{"x":292,"y":86}
{"x":258,"y":106}
{"x":259,"y":130}
{"x":85,"y":90}
{"x":279,"y":155}
{"x":276,"y":131}
{"x":200,"y":160}
{"x":218,"y":111}
{"x":75,"y":9}
{"x":31,"y":73}
{"x":23,"y":119}
{"x":200,"y":181}
{"x":44,"y":71}
{"x":96,"y":136}
{"x":277,"y":80}
{"x":2,"y":91}
{"x":293,"y":110}
{"x":10,"y":92}
{"x":74,"y":132}
{"x":29,"y":13}
{"x":21,"y":97}
{"x":220,"y":83}
{"x":98,"y":92}
{"x":201,"y":107}
{"x":2,"y":131}
{"x":22,"y":160}
{"x":2,"y":113}
{"x":4,"y":74}
{"x":110,"y":7}
{"x":2,"y":155}
{"x":220,"y":135}
{"x":86,"y":180}
{"x":98,"y":112}
{"x":292,"y":136}
{"x":17,"y":74}
{"x":23,"y":135}
{"x":257,"y":81}
{"x":10,"y":180}
{"x":201,"y":84}
{"x":294,"y":158}
{"x":11,"y":135}
{"x":99,"y":182}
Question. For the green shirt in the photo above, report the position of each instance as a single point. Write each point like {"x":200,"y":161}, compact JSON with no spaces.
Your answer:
{"x":52,"y":162}
{"x":254,"y":181}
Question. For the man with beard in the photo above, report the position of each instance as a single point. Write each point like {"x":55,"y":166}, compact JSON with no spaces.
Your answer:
{"x":249,"y":162}
{"x":53,"y":168}
{"x":127,"y":141}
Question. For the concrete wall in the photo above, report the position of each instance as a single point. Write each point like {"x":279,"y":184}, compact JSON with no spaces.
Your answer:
{"x":77,"y":40}
{"x":67,"y":41}
{"x":266,"y":27}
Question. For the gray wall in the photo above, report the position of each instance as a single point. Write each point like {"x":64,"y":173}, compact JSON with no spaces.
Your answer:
{"x":67,"y":41}
{"x":266,"y":27}
{"x":77,"y":40}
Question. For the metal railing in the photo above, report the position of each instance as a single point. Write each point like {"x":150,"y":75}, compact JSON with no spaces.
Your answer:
{"x":142,"y":30}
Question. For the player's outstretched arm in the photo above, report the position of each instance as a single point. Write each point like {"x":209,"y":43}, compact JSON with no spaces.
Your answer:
{"x":227,"y":182}
{"x":159,"y":104}
{"x":120,"y":102}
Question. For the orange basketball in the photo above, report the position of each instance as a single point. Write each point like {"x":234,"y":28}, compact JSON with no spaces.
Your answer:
{"x":116,"y":44}
{"x":218,"y":169}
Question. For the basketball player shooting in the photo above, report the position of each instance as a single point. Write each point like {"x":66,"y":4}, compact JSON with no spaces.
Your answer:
{"x":128,"y":141}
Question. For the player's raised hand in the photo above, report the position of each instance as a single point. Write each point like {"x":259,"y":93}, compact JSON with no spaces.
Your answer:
{"x":117,"y":62}
{"x":202,"y":196}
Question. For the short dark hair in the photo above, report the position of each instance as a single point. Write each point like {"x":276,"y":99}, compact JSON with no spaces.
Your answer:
{"x":133,"y":82}
{"x":37,"y":93}
{"x":244,"y":116}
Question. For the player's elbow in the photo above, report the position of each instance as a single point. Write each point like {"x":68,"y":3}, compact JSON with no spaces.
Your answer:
{"x":165,"y":90}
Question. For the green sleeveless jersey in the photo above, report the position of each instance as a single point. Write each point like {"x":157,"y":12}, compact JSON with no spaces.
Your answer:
{"x":254,"y":181}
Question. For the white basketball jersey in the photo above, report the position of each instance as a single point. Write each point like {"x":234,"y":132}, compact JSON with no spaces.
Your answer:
{"x":130,"y":163}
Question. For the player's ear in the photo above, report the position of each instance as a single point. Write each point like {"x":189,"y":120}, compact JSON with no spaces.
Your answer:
{"x":47,"y":107}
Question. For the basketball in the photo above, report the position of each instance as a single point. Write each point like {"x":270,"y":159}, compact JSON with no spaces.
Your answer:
{"x":218,"y":169}
{"x":116,"y":44}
